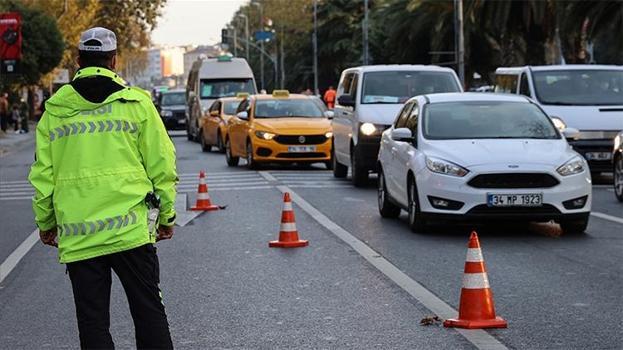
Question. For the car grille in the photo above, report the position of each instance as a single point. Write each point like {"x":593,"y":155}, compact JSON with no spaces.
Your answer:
{"x":294,"y":139}
{"x":301,"y":155}
{"x":179,"y":115}
{"x":484,"y":209}
{"x":514,"y":180}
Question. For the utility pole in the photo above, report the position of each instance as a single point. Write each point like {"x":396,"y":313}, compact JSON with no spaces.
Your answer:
{"x":366,"y":58}
{"x":459,"y":40}
{"x":315,"y":45}
{"x":246,"y":33}
{"x":235,"y":42}
{"x":282,"y":61}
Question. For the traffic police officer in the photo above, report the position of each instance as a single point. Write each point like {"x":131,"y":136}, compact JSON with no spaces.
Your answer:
{"x":101,"y":149}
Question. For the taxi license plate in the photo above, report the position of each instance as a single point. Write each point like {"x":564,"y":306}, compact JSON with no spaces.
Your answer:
{"x":300,"y":149}
{"x":515,"y":200}
{"x":598,"y":156}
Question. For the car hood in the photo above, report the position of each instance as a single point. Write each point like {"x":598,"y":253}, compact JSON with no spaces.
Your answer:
{"x":510,"y":152}
{"x":383,"y":114}
{"x":293,"y":126}
{"x":588,"y":117}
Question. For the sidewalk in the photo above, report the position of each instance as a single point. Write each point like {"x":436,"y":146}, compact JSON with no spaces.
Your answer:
{"x":10,"y":141}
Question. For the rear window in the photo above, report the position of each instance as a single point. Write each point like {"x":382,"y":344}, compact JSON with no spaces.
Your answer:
{"x":171,"y":99}
{"x":399,"y":86}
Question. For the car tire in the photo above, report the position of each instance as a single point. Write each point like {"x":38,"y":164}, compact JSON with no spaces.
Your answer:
{"x":251,"y":163}
{"x":329,"y":165}
{"x":417,"y":223}
{"x":387,"y":209}
{"x":231,"y":160}
{"x":339,"y":171}
{"x":204,"y":146}
{"x":220,"y":145}
{"x":574,"y":227}
{"x":189,"y":136}
{"x":618,"y":177}
{"x":359,"y":174}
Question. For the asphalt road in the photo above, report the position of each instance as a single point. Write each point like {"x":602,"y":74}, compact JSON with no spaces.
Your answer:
{"x":224,"y":288}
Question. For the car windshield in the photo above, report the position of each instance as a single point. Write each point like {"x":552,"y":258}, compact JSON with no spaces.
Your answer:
{"x":216,"y":88}
{"x":230,"y":107}
{"x":579,"y":87}
{"x":305,"y":108}
{"x":171,"y":99}
{"x":486,"y":120}
{"x":398,"y":86}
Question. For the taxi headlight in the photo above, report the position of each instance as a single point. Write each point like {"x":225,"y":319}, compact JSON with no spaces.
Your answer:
{"x":574,"y":166}
{"x":367,"y":129}
{"x":265,"y":135}
{"x":166,"y":113}
{"x":328,"y":135}
{"x":559,"y":124}
{"x":441,"y":166}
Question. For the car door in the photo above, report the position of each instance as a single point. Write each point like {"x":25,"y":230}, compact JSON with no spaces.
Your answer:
{"x":342,"y":120}
{"x":405,"y":152}
{"x":392,"y":169}
{"x":211,"y":123}
{"x":236,"y":127}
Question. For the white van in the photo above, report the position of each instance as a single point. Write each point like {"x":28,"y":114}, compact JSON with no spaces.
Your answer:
{"x":368,"y":100}
{"x":584,"y":97}
{"x":213,"y":78}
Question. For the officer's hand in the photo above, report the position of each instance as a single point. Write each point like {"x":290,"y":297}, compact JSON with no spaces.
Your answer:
{"x":48,"y":237}
{"x":164,"y":232}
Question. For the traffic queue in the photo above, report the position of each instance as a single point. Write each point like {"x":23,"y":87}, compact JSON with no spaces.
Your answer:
{"x":440,"y":153}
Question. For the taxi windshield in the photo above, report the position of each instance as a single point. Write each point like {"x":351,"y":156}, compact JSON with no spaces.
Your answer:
{"x":230,"y":107}
{"x":277,"y":108}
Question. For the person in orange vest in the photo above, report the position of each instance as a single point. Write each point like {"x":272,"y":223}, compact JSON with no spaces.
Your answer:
{"x":329,"y":97}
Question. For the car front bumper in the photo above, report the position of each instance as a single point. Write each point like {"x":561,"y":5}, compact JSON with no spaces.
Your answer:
{"x":271,"y":151}
{"x":585,"y":147}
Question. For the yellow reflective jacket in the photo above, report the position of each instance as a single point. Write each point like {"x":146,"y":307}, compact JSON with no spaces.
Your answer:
{"x":95,"y":162}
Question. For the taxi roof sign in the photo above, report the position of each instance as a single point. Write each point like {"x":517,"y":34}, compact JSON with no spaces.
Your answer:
{"x":242,"y":95}
{"x":223,"y":58}
{"x":281,"y":93}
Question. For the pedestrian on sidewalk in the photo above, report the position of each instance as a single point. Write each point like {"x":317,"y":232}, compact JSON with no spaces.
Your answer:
{"x":104,"y":166}
{"x":4,"y":111}
{"x":16,"y":117}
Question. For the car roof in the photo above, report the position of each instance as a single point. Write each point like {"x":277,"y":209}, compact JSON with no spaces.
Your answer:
{"x":290,"y":97}
{"x":175,"y":91}
{"x":517,"y":70}
{"x":228,"y":99}
{"x":399,"y":67}
{"x":473,"y":96}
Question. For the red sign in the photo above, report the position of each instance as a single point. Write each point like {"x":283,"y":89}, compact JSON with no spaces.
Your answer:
{"x":10,"y":36}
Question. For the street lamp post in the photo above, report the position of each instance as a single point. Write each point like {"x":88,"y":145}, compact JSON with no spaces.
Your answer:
{"x":246,"y":33}
{"x":315,"y":45}
{"x":366,"y":59}
{"x":235,"y":41}
{"x":261,"y":28}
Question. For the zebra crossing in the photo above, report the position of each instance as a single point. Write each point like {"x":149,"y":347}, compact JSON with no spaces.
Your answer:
{"x":217,"y":181}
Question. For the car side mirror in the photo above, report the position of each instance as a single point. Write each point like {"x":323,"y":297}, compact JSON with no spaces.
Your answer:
{"x":243,"y":115}
{"x":214,"y":114}
{"x":329,"y":114}
{"x":402,"y":135}
{"x":571,"y":133}
{"x":346,"y":100}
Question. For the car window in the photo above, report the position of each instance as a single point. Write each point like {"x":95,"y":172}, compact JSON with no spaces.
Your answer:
{"x":244,"y":106}
{"x":230,"y":107}
{"x":172,"y":99}
{"x":486,"y":120}
{"x":586,"y":87}
{"x":412,"y":120}
{"x":401,"y":120}
{"x":353,"y":87}
{"x":215,"y":88}
{"x":216,"y":106}
{"x":399,"y":86}
{"x":281,"y":108}
{"x":524,"y":88}
{"x":344,"y":88}
{"x":506,"y":83}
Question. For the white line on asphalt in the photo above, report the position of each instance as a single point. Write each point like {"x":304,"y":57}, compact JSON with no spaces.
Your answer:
{"x":15,"y":186}
{"x":241,"y":188}
{"x":208,"y":174}
{"x":12,"y":193}
{"x":607,"y":217}
{"x":14,"y":182}
{"x":193,"y":182}
{"x":14,"y":198}
{"x":481,"y":339}
{"x":229,"y":184}
{"x":267,"y":176}
{"x":321,"y":186}
{"x":11,"y":261}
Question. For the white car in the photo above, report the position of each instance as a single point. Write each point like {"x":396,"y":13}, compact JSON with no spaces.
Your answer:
{"x":476,"y":157}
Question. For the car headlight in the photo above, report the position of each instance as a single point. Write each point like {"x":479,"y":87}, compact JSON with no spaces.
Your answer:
{"x":618,"y":140}
{"x":166,"y":113}
{"x":573,"y":166}
{"x":441,"y":166}
{"x":265,"y":135}
{"x":559,"y":124}
{"x":367,"y":129}
{"x":328,"y":135}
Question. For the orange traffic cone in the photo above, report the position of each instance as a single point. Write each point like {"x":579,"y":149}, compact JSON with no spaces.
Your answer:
{"x":203,"y":202}
{"x":288,"y":235}
{"x":476,"y":309}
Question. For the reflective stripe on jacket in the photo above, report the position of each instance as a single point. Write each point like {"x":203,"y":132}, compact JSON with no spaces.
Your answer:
{"x":95,"y":162}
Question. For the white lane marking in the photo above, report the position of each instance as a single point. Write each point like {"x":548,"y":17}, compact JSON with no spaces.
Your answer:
{"x":607,"y":217}
{"x":11,"y":261}
{"x":194,"y":182}
{"x":231,"y":184}
{"x":14,"y":182}
{"x":26,"y":186}
{"x":267,"y":176}
{"x":14,"y":198}
{"x":321,"y":186}
{"x":242,"y":188}
{"x":208,"y":174}
{"x":480,"y":338}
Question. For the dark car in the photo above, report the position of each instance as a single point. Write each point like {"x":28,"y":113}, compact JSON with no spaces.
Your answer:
{"x":173,"y":109}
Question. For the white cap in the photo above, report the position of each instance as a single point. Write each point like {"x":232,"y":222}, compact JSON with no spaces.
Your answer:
{"x":104,"y":40}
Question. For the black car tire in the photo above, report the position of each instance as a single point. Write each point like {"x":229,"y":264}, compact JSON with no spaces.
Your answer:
{"x":251,"y":163}
{"x":387,"y":209}
{"x":618,"y":177}
{"x":416,"y":221}
{"x":574,"y":227}
{"x":359,"y":174}
{"x":204,"y":146}
{"x":339,"y":171}
{"x":220,"y":145}
{"x":189,"y":136}
{"x":231,"y":160}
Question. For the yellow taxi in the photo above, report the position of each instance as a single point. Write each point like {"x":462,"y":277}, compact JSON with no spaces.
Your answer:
{"x":213,"y":125}
{"x":279,"y":128}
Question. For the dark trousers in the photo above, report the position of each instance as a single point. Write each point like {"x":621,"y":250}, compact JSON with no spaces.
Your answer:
{"x":4,"y":121}
{"x":138,"y":272}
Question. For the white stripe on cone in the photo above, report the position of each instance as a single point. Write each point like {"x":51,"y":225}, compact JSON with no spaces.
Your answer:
{"x":288,"y":227}
{"x":202,"y":181}
{"x":287,"y":206}
{"x":203,"y":195}
{"x":475,"y":280}
{"x":474,"y":255}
